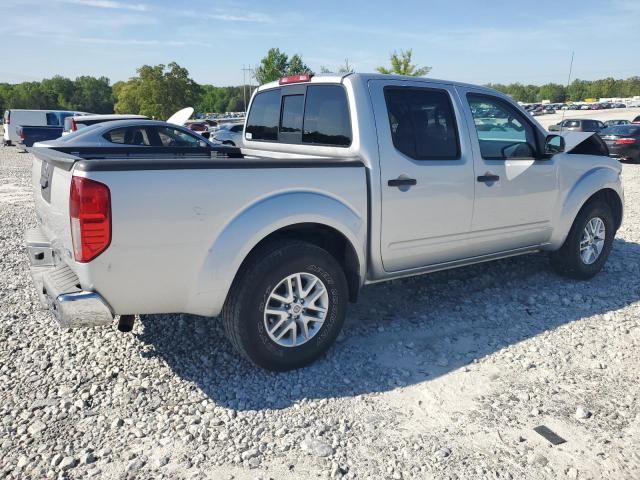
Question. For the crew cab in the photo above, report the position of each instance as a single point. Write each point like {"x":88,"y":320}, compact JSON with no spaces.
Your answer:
{"x":344,"y":181}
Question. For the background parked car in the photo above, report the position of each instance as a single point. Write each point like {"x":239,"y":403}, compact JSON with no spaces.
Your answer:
{"x":578,"y":125}
{"x":74,"y":123}
{"x":15,"y":118}
{"x":229,"y":134}
{"x":611,"y":123}
{"x":132,"y":132}
{"x":623,"y":141}
{"x":200,"y":127}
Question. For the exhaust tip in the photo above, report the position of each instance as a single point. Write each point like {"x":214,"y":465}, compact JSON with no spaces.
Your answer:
{"x":125,"y":323}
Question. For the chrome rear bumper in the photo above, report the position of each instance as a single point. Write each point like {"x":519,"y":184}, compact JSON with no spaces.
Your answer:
{"x":59,"y":288}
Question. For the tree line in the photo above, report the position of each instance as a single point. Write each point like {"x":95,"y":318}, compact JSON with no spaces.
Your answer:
{"x":156,"y":91}
{"x":160,"y":90}
{"x":576,"y":91}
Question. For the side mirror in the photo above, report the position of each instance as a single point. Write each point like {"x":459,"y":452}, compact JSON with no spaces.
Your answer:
{"x":553,"y":144}
{"x":203,"y":144}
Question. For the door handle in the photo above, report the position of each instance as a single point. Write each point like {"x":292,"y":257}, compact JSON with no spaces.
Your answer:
{"x":488,"y":178}
{"x":401,"y":182}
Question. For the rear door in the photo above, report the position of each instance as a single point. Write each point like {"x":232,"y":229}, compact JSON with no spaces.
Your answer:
{"x":427,"y":174}
{"x":516,"y":188}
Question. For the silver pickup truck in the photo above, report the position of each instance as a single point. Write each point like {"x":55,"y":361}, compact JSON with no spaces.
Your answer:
{"x":344,"y":181}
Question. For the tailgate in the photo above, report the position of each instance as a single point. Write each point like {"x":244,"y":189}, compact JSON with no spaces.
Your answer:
{"x":51,"y":180}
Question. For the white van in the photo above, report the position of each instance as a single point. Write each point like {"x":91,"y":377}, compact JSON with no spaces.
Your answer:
{"x":15,"y":118}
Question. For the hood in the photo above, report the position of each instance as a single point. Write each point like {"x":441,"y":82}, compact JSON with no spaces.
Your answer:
{"x":584,"y":143}
{"x":181,"y":116}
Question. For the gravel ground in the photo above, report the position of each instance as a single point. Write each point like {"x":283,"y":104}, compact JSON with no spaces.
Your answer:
{"x":443,"y":376}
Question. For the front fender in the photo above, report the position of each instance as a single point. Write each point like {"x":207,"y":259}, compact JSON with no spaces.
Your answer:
{"x":576,"y":193}
{"x":256,"y":222}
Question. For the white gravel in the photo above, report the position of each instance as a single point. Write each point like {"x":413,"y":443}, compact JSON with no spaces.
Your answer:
{"x":443,"y":376}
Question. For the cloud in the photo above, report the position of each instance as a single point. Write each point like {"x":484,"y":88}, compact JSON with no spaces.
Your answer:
{"x":252,"y":17}
{"x":110,"y":4}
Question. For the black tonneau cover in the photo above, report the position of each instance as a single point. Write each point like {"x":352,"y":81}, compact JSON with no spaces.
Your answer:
{"x":104,"y":159}
{"x":67,"y":157}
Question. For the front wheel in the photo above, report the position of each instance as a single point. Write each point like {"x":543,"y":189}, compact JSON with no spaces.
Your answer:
{"x":588,"y":244}
{"x":287,"y":305}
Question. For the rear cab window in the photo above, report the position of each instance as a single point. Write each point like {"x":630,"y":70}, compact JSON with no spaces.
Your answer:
{"x":312,"y":114}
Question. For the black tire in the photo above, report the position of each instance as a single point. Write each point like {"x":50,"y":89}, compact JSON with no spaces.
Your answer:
{"x":243,"y":312}
{"x":567,"y":261}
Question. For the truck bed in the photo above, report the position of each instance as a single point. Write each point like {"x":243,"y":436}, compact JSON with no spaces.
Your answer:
{"x":178,"y":219}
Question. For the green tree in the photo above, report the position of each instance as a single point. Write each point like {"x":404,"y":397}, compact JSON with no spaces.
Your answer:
{"x":92,"y":94}
{"x":553,"y":92}
{"x":296,"y":66}
{"x":344,"y":68}
{"x":277,"y":64}
{"x":578,"y":90}
{"x":157,"y":91}
{"x":272,"y":67}
{"x":401,"y":65}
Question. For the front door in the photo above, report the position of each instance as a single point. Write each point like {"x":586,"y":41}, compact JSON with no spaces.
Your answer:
{"x":516,"y":186}
{"x":427,"y":177}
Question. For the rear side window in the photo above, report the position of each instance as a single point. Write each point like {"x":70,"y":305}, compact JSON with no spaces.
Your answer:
{"x":422,"y":123}
{"x":128,"y":136}
{"x":52,"y":119}
{"x":315,"y":114}
{"x":264,"y":116}
{"x":326,"y":116}
{"x":571,"y":123}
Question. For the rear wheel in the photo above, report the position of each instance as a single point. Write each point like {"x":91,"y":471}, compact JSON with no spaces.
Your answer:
{"x":287,"y":305}
{"x":588,"y":244}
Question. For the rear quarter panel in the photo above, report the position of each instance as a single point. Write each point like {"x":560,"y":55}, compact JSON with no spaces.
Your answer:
{"x":179,"y":236}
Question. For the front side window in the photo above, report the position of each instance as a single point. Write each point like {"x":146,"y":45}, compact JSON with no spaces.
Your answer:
{"x":503,"y":132}
{"x":128,"y":136}
{"x":174,"y":137}
{"x":422,"y":123}
{"x":264,"y":116}
{"x":326,"y":116}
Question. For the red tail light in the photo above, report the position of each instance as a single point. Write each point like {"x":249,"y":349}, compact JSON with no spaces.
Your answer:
{"x":90,"y":212}
{"x":21,"y":134}
{"x":295,"y":79}
{"x":625,"y":141}
{"x":74,"y":127}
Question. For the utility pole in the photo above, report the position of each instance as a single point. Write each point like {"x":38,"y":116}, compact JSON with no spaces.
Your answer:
{"x":244,"y":84}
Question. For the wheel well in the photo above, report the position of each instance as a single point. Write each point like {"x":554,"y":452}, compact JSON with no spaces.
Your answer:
{"x":611,"y":198}
{"x":324,"y":237}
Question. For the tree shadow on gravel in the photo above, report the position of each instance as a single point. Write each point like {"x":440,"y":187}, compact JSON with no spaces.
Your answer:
{"x":402,"y":332}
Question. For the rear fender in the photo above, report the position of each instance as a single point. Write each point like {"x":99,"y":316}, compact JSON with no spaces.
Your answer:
{"x":255,"y":223}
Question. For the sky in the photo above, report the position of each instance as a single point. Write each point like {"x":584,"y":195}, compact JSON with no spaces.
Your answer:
{"x":475,"y":41}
